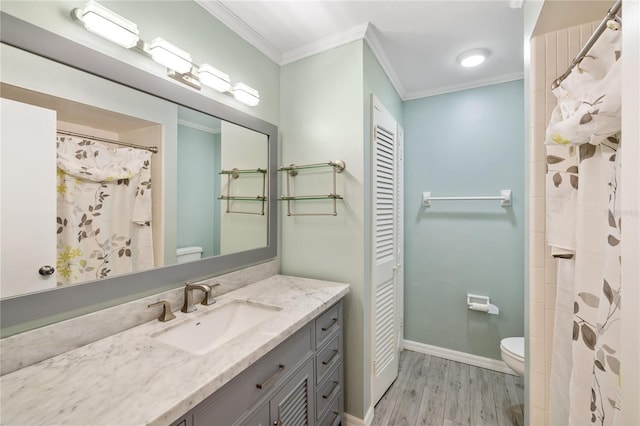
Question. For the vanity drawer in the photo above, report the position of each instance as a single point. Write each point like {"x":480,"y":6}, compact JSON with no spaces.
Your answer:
{"x":327,"y":323}
{"x":328,"y":390}
{"x":328,"y":357}
{"x":333,"y":416}
{"x":241,"y":394}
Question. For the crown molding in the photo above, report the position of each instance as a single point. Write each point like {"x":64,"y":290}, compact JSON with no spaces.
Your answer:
{"x":372,"y":39}
{"x":214,"y":130}
{"x":324,"y":44}
{"x":240,"y":27}
{"x":503,"y":78}
{"x":365,"y":31}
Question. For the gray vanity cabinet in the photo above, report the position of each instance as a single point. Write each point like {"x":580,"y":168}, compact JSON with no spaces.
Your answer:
{"x":298,"y":383}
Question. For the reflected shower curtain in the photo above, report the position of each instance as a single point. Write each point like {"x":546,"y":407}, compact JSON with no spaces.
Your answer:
{"x":104,"y":210}
{"x":583,"y":231}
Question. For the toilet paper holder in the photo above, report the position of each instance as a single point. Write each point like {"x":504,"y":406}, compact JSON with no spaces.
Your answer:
{"x":479,"y":303}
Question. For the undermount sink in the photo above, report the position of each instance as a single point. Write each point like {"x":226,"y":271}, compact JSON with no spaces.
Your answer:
{"x":217,"y":326}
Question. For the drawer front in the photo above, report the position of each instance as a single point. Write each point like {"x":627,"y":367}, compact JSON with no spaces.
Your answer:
{"x":333,"y":416}
{"x":228,"y":404}
{"x":328,"y":357}
{"x":327,"y":323}
{"x":330,"y":389}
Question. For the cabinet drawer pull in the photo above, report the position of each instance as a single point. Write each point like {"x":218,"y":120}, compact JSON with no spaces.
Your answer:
{"x":336,"y":419}
{"x":335,"y":320}
{"x":271,"y":379}
{"x":331,"y":392}
{"x":330,"y":360}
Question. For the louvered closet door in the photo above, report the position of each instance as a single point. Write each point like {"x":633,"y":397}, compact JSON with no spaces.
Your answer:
{"x":384,"y":251}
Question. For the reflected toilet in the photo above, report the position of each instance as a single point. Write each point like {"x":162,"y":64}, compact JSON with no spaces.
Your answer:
{"x":188,"y":254}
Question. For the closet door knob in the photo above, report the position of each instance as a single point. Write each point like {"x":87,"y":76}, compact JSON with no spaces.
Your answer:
{"x":46,"y":270}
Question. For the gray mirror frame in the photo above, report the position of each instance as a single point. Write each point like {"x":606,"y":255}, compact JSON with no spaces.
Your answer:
{"x":49,"y":306}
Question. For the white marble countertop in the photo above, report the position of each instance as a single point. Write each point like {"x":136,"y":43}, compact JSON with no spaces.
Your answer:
{"x":132,"y":379}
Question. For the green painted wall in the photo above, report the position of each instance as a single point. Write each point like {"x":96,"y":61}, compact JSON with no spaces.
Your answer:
{"x":464,"y":143}
{"x":321,"y":120}
{"x":326,"y":115}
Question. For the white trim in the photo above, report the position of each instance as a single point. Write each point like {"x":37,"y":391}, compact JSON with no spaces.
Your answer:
{"x":372,"y":39}
{"x":463,"y":357}
{"x":364,"y":31}
{"x":240,"y":27}
{"x":504,"y":78}
{"x":324,"y":44}
{"x":350,"y":420}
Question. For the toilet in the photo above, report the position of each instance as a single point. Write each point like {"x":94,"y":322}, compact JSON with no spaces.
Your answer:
{"x":512,"y":349}
{"x":189,"y":254}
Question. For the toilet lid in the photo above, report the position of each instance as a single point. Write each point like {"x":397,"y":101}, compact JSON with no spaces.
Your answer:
{"x":514,"y":345}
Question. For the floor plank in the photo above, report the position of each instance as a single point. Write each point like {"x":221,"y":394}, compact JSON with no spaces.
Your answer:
{"x":434,"y":397}
{"x":457,"y":408}
{"x":482,"y":407}
{"x":435,"y":391}
{"x":405,"y":411}
{"x":509,"y":410}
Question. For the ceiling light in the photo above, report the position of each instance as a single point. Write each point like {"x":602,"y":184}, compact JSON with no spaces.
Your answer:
{"x":107,"y":24}
{"x":246,"y":94}
{"x":170,"y":56}
{"x":472,"y":58}
{"x":214,"y":78}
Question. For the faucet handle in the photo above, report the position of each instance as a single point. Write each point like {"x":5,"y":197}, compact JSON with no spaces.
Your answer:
{"x":166,"y":314}
{"x":208,"y":297}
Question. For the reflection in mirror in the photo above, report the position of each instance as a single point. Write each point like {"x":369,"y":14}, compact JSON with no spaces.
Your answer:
{"x":221,"y":186}
{"x":43,"y":62}
{"x":98,"y":209}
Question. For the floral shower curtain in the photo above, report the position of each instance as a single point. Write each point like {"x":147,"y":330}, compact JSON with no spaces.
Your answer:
{"x":583,"y":230}
{"x":104,"y":210}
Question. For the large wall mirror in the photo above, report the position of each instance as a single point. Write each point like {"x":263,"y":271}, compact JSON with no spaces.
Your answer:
{"x":94,"y":222}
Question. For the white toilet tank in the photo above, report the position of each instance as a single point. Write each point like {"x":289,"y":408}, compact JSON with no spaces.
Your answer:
{"x":188,"y":254}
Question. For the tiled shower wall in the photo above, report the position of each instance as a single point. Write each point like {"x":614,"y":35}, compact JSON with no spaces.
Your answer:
{"x":551,"y":54}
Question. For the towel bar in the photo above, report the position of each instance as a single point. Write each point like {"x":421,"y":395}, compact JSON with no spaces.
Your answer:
{"x":504,"y":197}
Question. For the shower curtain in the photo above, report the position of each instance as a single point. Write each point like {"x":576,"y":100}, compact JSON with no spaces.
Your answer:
{"x":103,"y":210}
{"x":583,"y":230}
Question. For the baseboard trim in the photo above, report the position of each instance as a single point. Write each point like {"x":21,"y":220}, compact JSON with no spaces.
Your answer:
{"x":350,"y":420}
{"x":463,"y":357}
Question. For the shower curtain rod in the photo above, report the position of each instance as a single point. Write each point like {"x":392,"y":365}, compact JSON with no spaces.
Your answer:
{"x":611,"y":14}
{"x":153,"y":149}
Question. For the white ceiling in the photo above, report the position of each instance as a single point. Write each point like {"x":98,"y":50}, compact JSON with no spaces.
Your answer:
{"x":416,"y":42}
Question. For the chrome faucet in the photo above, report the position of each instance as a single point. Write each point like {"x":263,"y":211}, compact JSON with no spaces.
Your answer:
{"x":208,"y":299}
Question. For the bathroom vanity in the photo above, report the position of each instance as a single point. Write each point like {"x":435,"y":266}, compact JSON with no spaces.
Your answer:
{"x":298,"y":382}
{"x":283,"y":369}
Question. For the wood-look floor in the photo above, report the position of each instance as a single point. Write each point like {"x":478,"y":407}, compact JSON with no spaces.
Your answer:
{"x":436,"y":391}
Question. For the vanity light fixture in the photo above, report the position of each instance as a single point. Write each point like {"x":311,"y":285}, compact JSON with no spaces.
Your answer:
{"x":113,"y":27}
{"x":170,"y":56}
{"x":214,"y":78}
{"x":246,"y":94}
{"x":472,"y":58}
{"x":107,"y":24}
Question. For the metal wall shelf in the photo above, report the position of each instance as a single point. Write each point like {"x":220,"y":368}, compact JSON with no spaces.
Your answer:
{"x":235,"y":174}
{"x":337,"y":166}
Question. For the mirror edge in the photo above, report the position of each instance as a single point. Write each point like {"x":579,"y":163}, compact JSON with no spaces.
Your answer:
{"x":49,"y":306}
